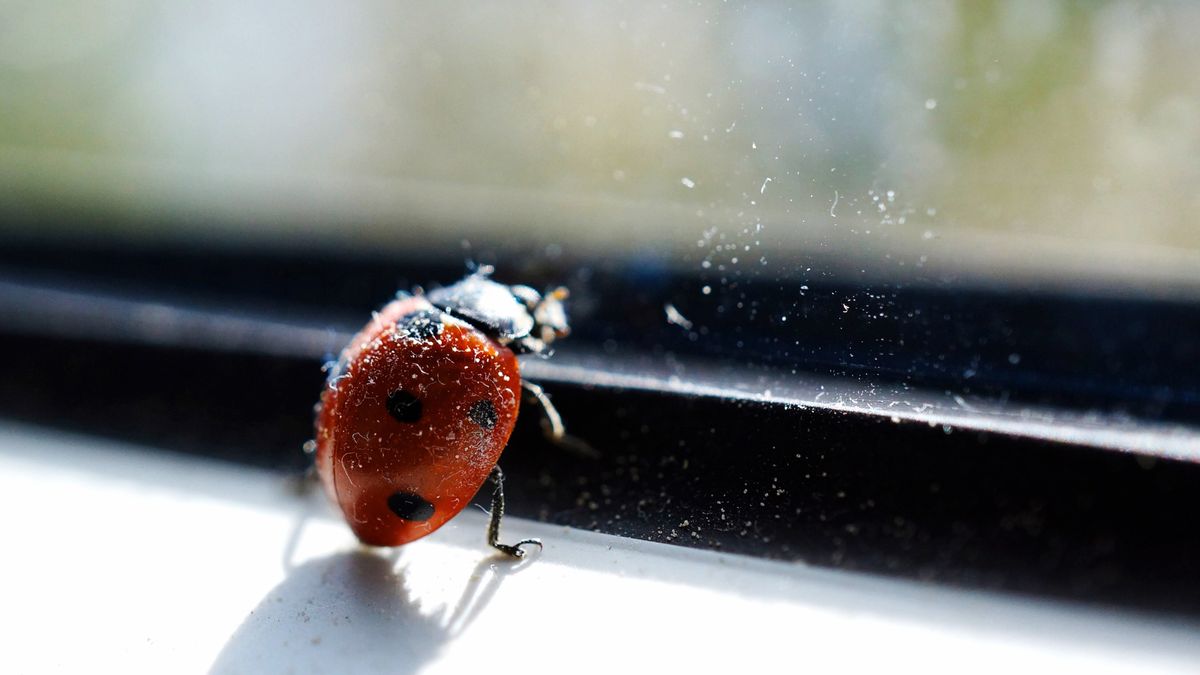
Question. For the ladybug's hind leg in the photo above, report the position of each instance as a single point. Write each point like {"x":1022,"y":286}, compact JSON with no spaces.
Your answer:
{"x":552,"y":424}
{"x":304,"y":483}
{"x":493,"y":532}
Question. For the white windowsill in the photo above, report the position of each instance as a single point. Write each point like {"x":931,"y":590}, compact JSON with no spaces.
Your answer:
{"x":126,"y":559}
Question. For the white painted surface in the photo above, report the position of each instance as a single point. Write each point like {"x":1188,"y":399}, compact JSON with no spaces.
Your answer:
{"x":118,"y":558}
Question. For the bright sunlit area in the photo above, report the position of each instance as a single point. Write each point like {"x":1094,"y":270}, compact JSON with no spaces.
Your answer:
{"x":817,"y":336}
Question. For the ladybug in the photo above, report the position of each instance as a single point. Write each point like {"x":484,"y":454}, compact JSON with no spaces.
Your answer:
{"x":421,"y":403}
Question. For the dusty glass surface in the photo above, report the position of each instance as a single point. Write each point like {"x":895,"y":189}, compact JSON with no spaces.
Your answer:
{"x":1024,"y":142}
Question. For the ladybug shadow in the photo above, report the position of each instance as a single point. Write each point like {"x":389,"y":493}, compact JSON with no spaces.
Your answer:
{"x":353,"y":612}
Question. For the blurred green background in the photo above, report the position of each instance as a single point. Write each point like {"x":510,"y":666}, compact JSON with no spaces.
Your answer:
{"x":1019,"y":142}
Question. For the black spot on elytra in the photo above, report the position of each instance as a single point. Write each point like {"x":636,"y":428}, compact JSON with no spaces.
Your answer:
{"x":403,"y":406}
{"x":410,"y":506}
{"x":425,"y":324}
{"x":484,"y":414}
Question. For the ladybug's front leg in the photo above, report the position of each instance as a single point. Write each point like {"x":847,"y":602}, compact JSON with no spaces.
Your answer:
{"x":493,"y":534}
{"x":552,"y":424}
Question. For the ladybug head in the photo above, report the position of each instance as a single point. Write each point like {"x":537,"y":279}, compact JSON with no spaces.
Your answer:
{"x":517,"y":316}
{"x":549,"y":317}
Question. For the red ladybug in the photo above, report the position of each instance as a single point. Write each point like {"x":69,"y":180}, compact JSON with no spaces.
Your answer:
{"x":422,"y":401}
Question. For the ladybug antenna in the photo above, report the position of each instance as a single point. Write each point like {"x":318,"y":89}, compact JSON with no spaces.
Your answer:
{"x":549,"y":316}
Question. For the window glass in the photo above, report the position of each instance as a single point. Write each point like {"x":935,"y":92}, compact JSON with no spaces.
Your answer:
{"x":1019,"y":142}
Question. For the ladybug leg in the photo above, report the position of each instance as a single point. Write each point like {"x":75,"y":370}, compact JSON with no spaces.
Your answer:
{"x":493,"y":531}
{"x":304,"y":483}
{"x":552,"y":424}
